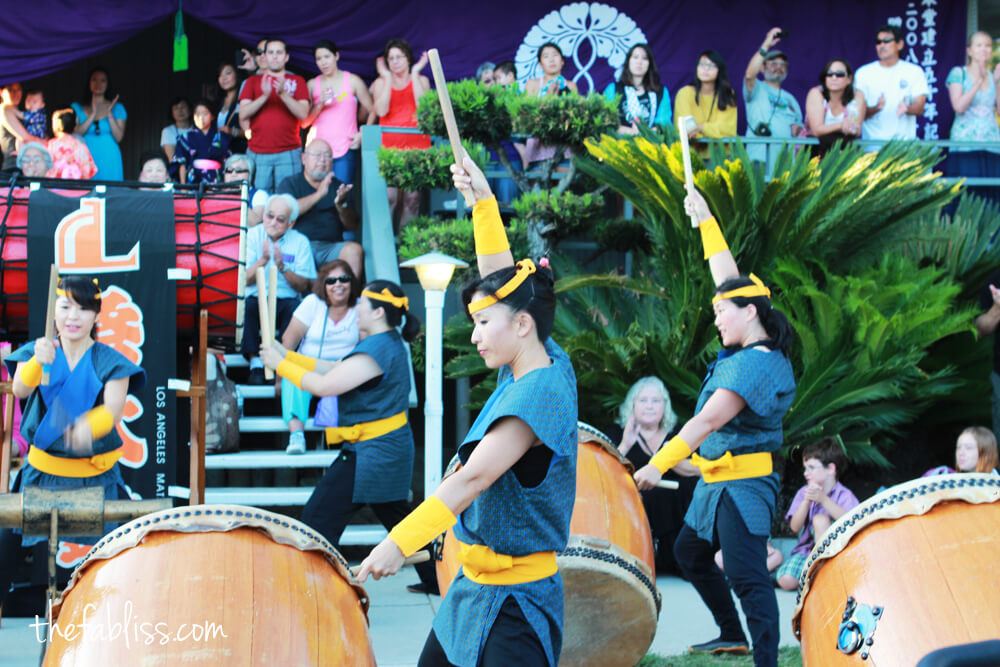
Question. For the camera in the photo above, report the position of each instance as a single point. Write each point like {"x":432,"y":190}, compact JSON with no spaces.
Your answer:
{"x":762,"y":130}
{"x":783,"y":34}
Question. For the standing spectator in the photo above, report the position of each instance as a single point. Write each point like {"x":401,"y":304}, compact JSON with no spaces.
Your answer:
{"x":710,"y":98}
{"x":642,"y":98}
{"x":239,"y":168}
{"x":897,"y":88}
{"x":986,"y":325}
{"x":201,"y":152}
{"x":35,"y":119}
{"x":12,"y":130}
{"x":552,"y":81}
{"x":973,"y":93}
{"x":70,"y":156}
{"x":324,"y":208}
{"x":771,"y":111}
{"x":834,"y":108}
{"x":334,"y":112}
{"x":396,"y":92}
{"x":253,"y":63}
{"x":100,"y":120}
{"x":274,"y":102}
{"x":274,"y":241}
{"x":180,"y":113}
{"x":484,"y":73}
{"x":505,"y":74}
{"x":33,"y":160}
{"x":324,"y":326}
{"x":227,"y":116}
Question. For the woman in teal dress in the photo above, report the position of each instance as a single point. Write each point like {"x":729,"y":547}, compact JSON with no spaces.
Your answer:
{"x":100,"y":120}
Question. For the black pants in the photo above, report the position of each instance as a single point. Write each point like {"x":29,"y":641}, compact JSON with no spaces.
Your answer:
{"x":251,"y":323}
{"x":331,"y":506}
{"x":11,"y":552}
{"x":512,"y":641}
{"x":745,"y":558}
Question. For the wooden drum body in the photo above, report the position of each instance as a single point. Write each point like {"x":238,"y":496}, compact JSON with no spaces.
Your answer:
{"x":911,"y":570}
{"x":611,"y":601}
{"x":212,"y":584}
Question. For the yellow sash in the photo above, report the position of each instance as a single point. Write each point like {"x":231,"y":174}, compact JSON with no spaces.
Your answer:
{"x":364,"y":430}
{"x":485,"y":566}
{"x":728,"y":467}
{"x":66,"y":467}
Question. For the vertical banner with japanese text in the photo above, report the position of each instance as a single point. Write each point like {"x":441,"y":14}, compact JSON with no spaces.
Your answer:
{"x":126,"y":239}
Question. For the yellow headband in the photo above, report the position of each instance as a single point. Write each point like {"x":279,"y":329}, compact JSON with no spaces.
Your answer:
{"x":757,"y":289}
{"x":61,"y":292}
{"x":524,"y":269}
{"x":388,"y":297}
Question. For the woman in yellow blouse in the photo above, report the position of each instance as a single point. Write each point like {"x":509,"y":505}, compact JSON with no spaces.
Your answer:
{"x":710,"y":99}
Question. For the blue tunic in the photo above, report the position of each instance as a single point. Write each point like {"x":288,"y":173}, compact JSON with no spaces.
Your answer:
{"x":384,"y":466}
{"x":512,"y":519}
{"x":764,"y":380}
{"x":99,"y":365}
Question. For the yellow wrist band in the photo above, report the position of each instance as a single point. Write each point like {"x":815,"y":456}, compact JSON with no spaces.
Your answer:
{"x":711,"y":237}
{"x":672,"y":453}
{"x":487,"y":228}
{"x":300,"y":360}
{"x":431,"y":518}
{"x":101,"y":421}
{"x":291,"y":372}
{"x":31,"y":373}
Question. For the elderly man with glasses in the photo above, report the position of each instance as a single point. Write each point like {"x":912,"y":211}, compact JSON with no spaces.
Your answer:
{"x":771,"y":111}
{"x":325,"y":207}
{"x":896,"y":88}
{"x":34,"y":160}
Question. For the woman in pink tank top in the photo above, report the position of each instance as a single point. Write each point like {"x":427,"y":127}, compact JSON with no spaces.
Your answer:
{"x":396,"y":92}
{"x":334,"y":111}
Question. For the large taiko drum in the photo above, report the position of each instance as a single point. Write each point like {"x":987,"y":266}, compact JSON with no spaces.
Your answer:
{"x":213,"y":585}
{"x":211,"y":244}
{"x":609,"y":583}
{"x":911,"y":570}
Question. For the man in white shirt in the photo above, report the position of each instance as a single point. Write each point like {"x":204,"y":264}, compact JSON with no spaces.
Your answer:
{"x":894,"y":90}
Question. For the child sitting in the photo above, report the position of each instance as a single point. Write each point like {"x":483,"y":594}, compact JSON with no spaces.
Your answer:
{"x":816,"y":505}
{"x":975,"y":451}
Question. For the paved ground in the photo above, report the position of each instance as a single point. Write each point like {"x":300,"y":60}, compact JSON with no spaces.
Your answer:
{"x":401,"y":620}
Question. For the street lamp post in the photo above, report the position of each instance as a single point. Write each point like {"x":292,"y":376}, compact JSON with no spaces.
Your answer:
{"x":434,"y":271}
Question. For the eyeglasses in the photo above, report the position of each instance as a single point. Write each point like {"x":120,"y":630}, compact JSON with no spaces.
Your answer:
{"x":333,"y":280}
{"x":260,"y":52}
{"x":97,"y":127}
{"x":707,"y":65}
{"x":884,"y":40}
{"x":837,"y":74}
{"x":232,"y":170}
{"x":320,"y":156}
{"x":33,"y":159}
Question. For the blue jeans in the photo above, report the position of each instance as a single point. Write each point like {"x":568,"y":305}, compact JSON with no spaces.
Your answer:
{"x":345,"y":166}
{"x":273,"y":168}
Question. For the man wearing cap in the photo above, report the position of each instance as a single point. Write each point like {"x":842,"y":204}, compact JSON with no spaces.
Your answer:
{"x":771,"y":111}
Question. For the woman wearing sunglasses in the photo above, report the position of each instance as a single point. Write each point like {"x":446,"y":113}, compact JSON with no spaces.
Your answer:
{"x":835,"y":108}
{"x":323,"y":326}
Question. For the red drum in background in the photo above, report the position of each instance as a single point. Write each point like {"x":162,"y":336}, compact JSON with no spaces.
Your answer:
{"x":211,"y":244}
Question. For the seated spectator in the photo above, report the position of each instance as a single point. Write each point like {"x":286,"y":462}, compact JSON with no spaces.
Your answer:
{"x":35,"y":119}
{"x":975,"y":451}
{"x":201,"y":152}
{"x":227,"y":116}
{"x":154,"y":167}
{"x":100,"y":120}
{"x":895,"y":90}
{"x":642,"y":99}
{"x":324,"y":208}
{"x":33,"y":160}
{"x":13,"y":134}
{"x":505,"y":74}
{"x":771,"y":111}
{"x":180,"y":113}
{"x":835,"y":108}
{"x":238,"y":168}
{"x":972,"y":90}
{"x":275,"y":242}
{"x":323,"y":326}
{"x":484,"y":73}
{"x":647,"y":421}
{"x":710,"y":99}
{"x":71,"y":158}
{"x":552,"y":82}
{"x":816,"y":505}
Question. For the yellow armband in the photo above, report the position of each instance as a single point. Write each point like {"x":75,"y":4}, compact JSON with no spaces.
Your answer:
{"x":301,"y":360}
{"x":291,"y":372}
{"x":711,"y":237}
{"x":672,"y":453}
{"x":101,"y":421}
{"x":31,"y":373}
{"x":487,"y":228}
{"x":431,"y":518}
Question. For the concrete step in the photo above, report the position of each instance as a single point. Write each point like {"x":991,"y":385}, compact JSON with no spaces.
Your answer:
{"x":246,"y":391}
{"x":270,"y":459}
{"x":236,"y":361}
{"x":270,"y":425}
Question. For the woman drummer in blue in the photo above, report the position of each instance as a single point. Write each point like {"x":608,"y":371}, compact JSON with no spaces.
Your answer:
{"x":69,"y":421}
{"x":736,"y":427}
{"x":511,"y":501}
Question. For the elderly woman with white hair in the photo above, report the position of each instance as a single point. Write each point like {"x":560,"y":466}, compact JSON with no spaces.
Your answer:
{"x":275,"y":242}
{"x":648,"y":421}
{"x":34,"y":160}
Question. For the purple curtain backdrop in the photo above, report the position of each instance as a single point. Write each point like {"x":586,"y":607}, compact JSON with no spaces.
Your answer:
{"x":41,"y":38}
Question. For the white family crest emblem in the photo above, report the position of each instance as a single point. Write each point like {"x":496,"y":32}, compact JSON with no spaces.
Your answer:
{"x":605,"y":32}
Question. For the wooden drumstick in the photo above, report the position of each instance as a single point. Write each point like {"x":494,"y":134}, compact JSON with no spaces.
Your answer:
{"x":682,"y":127}
{"x":418,"y":557}
{"x":449,"y":116}
{"x":667,"y":484}
{"x":272,"y":295}
{"x":266,"y":333}
{"x":50,"y":314}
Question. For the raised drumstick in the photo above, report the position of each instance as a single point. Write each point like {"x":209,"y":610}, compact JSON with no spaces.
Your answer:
{"x":272,"y":296}
{"x":667,"y":484}
{"x":682,"y":127}
{"x":449,"y":116}
{"x":418,"y":557}
{"x":50,"y":315}
{"x":266,"y":332}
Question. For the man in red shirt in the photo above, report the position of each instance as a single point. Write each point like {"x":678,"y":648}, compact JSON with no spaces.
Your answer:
{"x":273,"y":102}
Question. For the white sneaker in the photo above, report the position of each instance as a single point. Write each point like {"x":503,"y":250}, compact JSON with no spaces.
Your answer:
{"x":296,"y":443}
